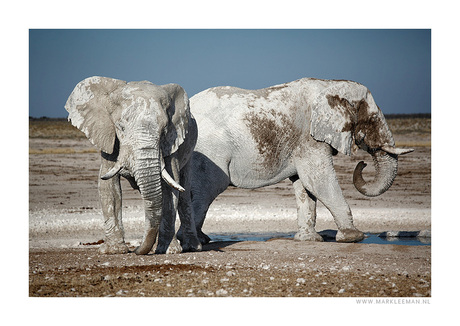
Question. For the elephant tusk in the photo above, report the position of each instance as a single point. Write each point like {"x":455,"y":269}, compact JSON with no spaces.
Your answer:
{"x":170,"y":181}
{"x":167,"y":178}
{"x":397,"y":151}
{"x":112,"y":172}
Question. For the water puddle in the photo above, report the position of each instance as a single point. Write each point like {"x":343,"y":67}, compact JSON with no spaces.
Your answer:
{"x":408,"y":238}
{"x":249,"y":236}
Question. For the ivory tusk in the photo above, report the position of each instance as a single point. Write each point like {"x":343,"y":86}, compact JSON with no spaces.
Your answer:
{"x":112,"y":172}
{"x":397,"y":151}
{"x":170,"y":181}
{"x":167,"y":178}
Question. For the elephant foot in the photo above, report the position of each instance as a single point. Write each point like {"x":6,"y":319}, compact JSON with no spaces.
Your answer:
{"x":303,"y":235}
{"x":189,"y":245}
{"x":174,"y":247}
{"x":349,"y":235}
{"x":204,"y":239}
{"x":180,"y":234}
{"x":113,"y":248}
{"x":192,"y":246}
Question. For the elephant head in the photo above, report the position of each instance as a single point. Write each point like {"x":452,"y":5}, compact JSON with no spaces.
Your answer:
{"x":139,"y":124}
{"x":345,"y":116}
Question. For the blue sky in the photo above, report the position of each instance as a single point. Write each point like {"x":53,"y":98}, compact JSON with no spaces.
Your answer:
{"x":394,"y":64}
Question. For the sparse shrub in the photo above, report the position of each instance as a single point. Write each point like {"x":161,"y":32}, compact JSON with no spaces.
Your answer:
{"x":53,"y":128}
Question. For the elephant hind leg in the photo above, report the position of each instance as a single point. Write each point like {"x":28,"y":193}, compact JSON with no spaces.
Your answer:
{"x":306,"y":212}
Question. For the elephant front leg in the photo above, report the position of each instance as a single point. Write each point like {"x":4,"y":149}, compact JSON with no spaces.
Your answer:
{"x":306,"y":213}
{"x":348,"y":232}
{"x":316,"y":171}
{"x":167,"y":241}
{"x":190,"y":241}
{"x":110,"y":196}
{"x":331,"y":196}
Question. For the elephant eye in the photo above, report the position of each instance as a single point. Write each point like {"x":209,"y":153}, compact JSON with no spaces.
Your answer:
{"x":164,"y":103}
{"x":120,"y":126}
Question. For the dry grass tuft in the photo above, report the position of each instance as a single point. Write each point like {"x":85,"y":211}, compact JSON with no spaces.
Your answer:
{"x":413,"y":144}
{"x":414,"y":125}
{"x":62,"y":150}
{"x":53,"y":128}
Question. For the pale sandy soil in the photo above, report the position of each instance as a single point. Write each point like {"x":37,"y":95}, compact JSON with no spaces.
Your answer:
{"x":65,"y":221}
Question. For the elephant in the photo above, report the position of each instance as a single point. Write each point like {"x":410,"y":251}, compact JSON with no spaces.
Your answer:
{"x":255,"y":138}
{"x":146,"y":134}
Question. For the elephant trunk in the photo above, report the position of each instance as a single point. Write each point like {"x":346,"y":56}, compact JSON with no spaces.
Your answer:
{"x":386,"y":168}
{"x":148,"y":178}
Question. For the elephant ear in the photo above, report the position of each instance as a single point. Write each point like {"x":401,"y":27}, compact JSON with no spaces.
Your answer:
{"x":178,"y":114}
{"x":91,"y":106}
{"x":333,"y":117}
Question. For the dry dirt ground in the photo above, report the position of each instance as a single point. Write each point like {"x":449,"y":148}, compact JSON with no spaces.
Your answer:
{"x":65,"y":226}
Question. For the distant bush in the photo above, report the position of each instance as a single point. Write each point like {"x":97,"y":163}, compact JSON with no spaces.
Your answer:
{"x":53,"y":128}
{"x":409,"y":116}
{"x":404,"y":125}
{"x":46,"y":118}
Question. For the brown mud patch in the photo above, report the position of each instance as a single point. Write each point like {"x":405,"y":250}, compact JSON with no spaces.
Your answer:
{"x":281,"y":268}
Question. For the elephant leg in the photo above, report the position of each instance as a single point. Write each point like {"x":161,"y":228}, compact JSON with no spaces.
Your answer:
{"x":200,"y":208}
{"x":167,"y":241}
{"x":110,"y":196}
{"x":319,"y":178}
{"x":306,"y":212}
{"x":208,"y":180}
{"x":190,"y":241}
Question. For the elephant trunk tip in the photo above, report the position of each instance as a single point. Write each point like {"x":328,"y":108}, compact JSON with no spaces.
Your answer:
{"x":386,"y":167}
{"x":358,"y":180}
{"x":147,"y":243}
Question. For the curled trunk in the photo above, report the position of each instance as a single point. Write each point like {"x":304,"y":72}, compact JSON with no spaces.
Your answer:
{"x":386,"y":168}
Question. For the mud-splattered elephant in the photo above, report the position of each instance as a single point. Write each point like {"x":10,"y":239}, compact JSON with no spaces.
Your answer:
{"x":255,"y":138}
{"x":146,"y":134}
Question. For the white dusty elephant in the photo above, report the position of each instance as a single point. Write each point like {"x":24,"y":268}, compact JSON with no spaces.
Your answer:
{"x":255,"y":138}
{"x":146,"y":134}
